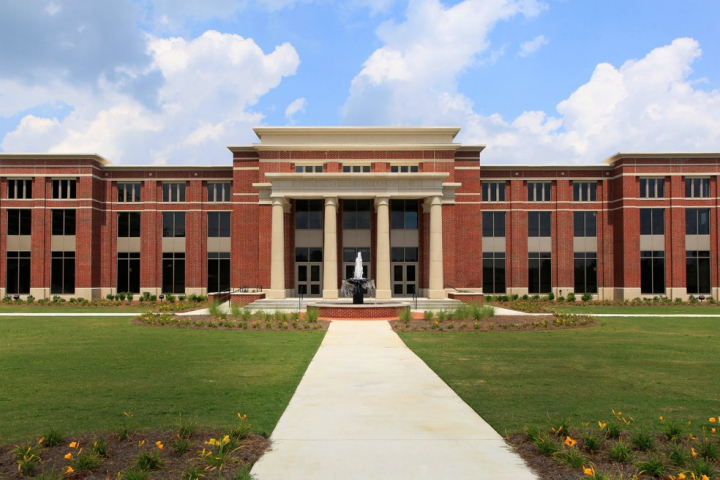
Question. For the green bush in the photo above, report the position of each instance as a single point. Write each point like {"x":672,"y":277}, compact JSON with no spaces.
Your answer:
{"x":546,"y":445}
{"x":53,"y":438}
{"x":642,"y":441}
{"x":312,"y":314}
{"x":653,"y":466}
{"x":587,"y":296}
{"x":121,"y":296}
{"x":30,"y":299}
{"x":85,"y":462}
{"x":551,"y":296}
{"x":620,"y":452}
{"x":148,"y":461}
{"x":405,"y":315}
{"x":571,"y":297}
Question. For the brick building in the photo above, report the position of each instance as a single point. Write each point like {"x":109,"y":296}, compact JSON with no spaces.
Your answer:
{"x":292,"y":212}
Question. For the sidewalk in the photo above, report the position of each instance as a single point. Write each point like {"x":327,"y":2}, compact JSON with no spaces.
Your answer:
{"x":369,"y":408}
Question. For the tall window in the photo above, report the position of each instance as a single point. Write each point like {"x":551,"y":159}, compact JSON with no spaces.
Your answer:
{"x":173,"y":268}
{"x":356,"y":168}
{"x":308,"y":254}
{"x":697,"y":221}
{"x":539,"y":272}
{"x":652,"y":221}
{"x":128,"y":272}
{"x":64,"y":189}
{"x":404,"y":168}
{"x":174,"y":192}
{"x":584,"y":191}
{"x":219,"y":191}
{"x":356,"y":214}
{"x":404,"y":214}
{"x":493,"y":272}
{"x":128,"y":192}
{"x":218,"y":224}
{"x":585,"y":224}
{"x":19,"y":188}
{"x":697,"y":270}
{"x":308,"y":169}
{"x":652,"y":187}
{"x":62,"y":272}
{"x":538,"y":191}
{"x":173,"y":224}
{"x":218,"y":271}
{"x":19,"y":222}
{"x":493,"y":191}
{"x":308,"y":214}
{"x":493,"y":224}
{"x":63,"y":222}
{"x":586,"y":272}
{"x":128,"y":224}
{"x":18,"y":272}
{"x":652,"y":272}
{"x":697,"y":187}
{"x":539,"y":224}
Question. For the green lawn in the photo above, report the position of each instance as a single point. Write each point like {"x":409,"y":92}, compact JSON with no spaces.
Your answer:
{"x":644,"y":367}
{"x":653,"y":310}
{"x":80,"y":374}
{"x":50,"y":309}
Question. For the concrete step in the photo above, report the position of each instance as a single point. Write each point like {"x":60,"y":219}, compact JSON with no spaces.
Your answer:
{"x":295,"y":304}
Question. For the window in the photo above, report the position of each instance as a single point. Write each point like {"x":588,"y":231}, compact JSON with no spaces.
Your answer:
{"x":128,"y":272}
{"x":652,"y":221}
{"x":697,"y":187}
{"x":698,"y":272}
{"x":308,"y":168}
{"x":586,"y":272}
{"x":584,"y":191}
{"x":539,"y":224}
{"x":218,"y":224}
{"x":356,"y":214}
{"x":18,"y":272}
{"x":356,"y":168}
{"x":493,"y":272}
{"x":19,"y":222}
{"x":538,"y":191}
{"x":128,"y":192}
{"x":404,"y":214}
{"x":19,"y":188}
{"x":539,"y":272}
{"x":652,"y":272}
{"x":652,"y":187}
{"x":697,"y":221}
{"x":404,"y":169}
{"x":493,"y":191}
{"x":218,"y":272}
{"x":64,"y":189}
{"x":493,"y":224}
{"x":350,"y":254}
{"x":62,"y":272}
{"x":308,"y":254}
{"x":173,"y":224}
{"x":585,"y":224}
{"x":128,"y":225}
{"x":308,"y":214}
{"x":219,"y":191}
{"x":173,"y":192}
{"x":63,"y":222}
{"x":404,"y":254}
{"x":173,"y":268}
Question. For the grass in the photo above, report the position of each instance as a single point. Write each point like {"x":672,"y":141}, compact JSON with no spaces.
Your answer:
{"x":60,"y":309}
{"x":646,"y":310}
{"x":78,"y":375}
{"x":644,"y":367}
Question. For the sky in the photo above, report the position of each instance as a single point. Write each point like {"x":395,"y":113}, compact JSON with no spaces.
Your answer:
{"x":174,"y":82}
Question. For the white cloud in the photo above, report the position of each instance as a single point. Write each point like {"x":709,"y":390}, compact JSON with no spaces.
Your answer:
{"x":532,"y":46}
{"x":296,"y":106}
{"x":52,"y":9}
{"x":210,"y":84}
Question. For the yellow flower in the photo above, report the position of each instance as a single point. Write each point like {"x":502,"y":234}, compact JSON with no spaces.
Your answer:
{"x":570,"y":442}
{"x":713,"y":430}
{"x":69,"y":470}
{"x":74,"y":444}
{"x":42,"y":439}
{"x":694,"y":453}
{"x":588,"y":471}
{"x":159,"y":444}
{"x":602,"y":425}
{"x":681,"y":476}
{"x":226,"y":439}
{"x":705,"y":477}
{"x":141,"y":443}
{"x":712,"y":420}
{"x":68,"y":456}
{"x":661,"y":418}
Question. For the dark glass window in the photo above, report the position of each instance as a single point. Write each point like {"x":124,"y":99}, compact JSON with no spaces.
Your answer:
{"x":19,"y":188}
{"x":356,"y":168}
{"x":173,"y":192}
{"x":64,"y":189}
{"x":356,"y":214}
{"x":697,"y":187}
{"x":493,"y":191}
{"x":128,"y":192}
{"x":62,"y":272}
{"x":173,"y":224}
{"x":493,"y":224}
{"x":308,"y":254}
{"x":652,"y":221}
{"x":697,"y":221}
{"x":586,"y":272}
{"x":493,"y":272}
{"x":404,"y":168}
{"x":697,"y":271}
{"x":218,"y":224}
{"x":19,"y":222}
{"x":18,"y":272}
{"x":173,"y":268}
{"x":63,"y":222}
{"x":308,"y":214}
{"x":404,"y":214}
{"x":219,"y":191}
{"x":585,"y":224}
{"x":652,"y":272}
{"x":539,"y":272}
{"x":404,"y":254}
{"x":350,"y":254}
{"x":128,"y":272}
{"x":539,"y":224}
{"x":129,"y":224}
{"x":218,"y":272}
{"x":308,"y":169}
{"x":538,"y":191}
{"x":584,"y":191}
{"x":652,"y":187}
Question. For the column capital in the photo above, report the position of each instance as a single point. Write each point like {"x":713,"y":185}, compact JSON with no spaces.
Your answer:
{"x":282,"y":202}
{"x":382,"y":201}
{"x":331,"y":200}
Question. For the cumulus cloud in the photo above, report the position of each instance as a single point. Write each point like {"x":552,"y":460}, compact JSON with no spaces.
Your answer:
{"x":532,"y":46}
{"x":296,"y":106}
{"x":209,"y":85}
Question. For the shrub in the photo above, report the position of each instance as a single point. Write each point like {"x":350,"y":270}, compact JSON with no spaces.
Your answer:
{"x":560,"y":427}
{"x":708,"y":450}
{"x":53,"y":474}
{"x":148,"y":461}
{"x":489,"y":298}
{"x":153,"y":298}
{"x":546,"y":445}
{"x":551,"y":296}
{"x":653,"y":466}
{"x":592,"y":442}
{"x":612,"y":430}
{"x":100,"y":448}
{"x":531,"y":432}
{"x":169,"y":297}
{"x":561,"y":299}
{"x":642,"y":441}
{"x":571,"y":297}
{"x":110,"y":296}
{"x":427,"y":315}
{"x":122,"y":433}
{"x":514,"y":296}
{"x":85,"y":462}
{"x":27,"y":458}
{"x":134,"y":474}
{"x":30,"y":299}
{"x":620,"y":452}
{"x":181,"y":298}
{"x":701,"y":466}
{"x":572,"y":458}
{"x":672,"y":431}
{"x":215,"y":310}
{"x":53,"y":438}
{"x":312,"y":314}
{"x":235,"y":310}
{"x":192,"y":473}
{"x":678,"y":300}
{"x":678,"y":454}
{"x":242,"y":430}
{"x":187,"y":430}
{"x":525,"y":297}
{"x":587,"y":296}
{"x":180,"y":446}
{"x":129,"y":296}
{"x":405,"y":315}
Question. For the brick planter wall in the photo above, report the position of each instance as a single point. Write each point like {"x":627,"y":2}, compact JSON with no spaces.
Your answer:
{"x":243,"y":299}
{"x":466,"y":297}
{"x":359,"y":312}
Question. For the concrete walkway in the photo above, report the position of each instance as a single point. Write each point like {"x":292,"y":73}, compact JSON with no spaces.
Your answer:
{"x":369,"y":408}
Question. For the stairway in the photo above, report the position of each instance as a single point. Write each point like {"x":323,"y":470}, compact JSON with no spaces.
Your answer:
{"x":295,"y":304}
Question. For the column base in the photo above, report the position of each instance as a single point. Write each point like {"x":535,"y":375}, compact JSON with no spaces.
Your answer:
{"x":383,"y":294}
{"x":436,"y":294}
{"x":275,"y":294}
{"x":330,"y":295}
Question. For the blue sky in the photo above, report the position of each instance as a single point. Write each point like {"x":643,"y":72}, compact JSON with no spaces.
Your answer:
{"x":537,"y":81}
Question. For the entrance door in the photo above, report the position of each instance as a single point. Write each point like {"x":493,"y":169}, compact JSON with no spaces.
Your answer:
{"x":405,"y":279}
{"x":308,"y":275}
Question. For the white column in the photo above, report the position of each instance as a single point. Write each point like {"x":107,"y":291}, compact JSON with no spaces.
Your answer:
{"x":277,"y":250}
{"x":382,"y":255}
{"x":436,"y":287}
{"x":330,"y":271}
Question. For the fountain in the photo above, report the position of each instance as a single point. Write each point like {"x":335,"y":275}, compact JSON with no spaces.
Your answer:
{"x":357,"y":286}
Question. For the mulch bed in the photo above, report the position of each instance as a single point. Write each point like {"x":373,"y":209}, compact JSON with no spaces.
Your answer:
{"x":209,"y":322}
{"x":122,"y":455}
{"x":496,"y":324}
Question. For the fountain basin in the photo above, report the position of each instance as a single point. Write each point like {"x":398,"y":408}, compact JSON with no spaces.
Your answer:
{"x":374,"y":310}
